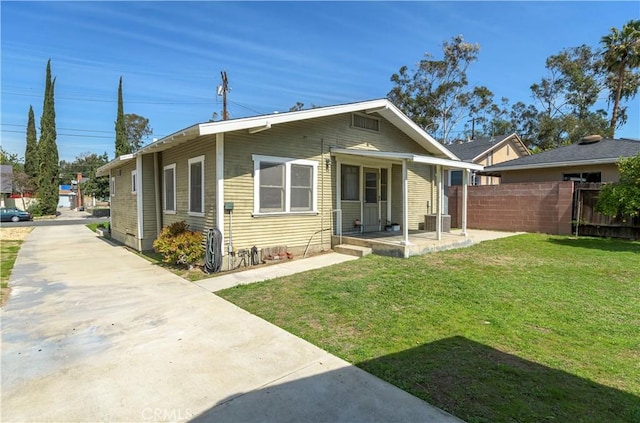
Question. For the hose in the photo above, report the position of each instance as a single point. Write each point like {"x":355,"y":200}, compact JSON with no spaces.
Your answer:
{"x":213,"y":255}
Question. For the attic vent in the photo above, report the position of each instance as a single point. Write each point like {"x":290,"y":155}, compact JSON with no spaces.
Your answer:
{"x":365,"y":122}
{"x":589,"y":139}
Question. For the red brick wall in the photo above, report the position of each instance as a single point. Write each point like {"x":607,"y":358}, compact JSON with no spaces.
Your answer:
{"x":529,"y":207}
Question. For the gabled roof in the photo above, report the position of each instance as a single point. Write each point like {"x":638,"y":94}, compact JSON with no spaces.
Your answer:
{"x":473,"y":150}
{"x":600,"y":152}
{"x":381,"y":107}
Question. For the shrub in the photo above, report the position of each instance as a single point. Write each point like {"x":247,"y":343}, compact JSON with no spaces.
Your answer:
{"x":179,"y":245}
{"x":35,"y":209}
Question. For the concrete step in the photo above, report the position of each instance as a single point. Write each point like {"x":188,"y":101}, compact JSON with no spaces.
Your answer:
{"x":352,"y":250}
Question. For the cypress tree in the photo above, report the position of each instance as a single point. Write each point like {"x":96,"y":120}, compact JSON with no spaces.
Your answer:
{"x":122,"y":145}
{"x":48,"y":151}
{"x":31,"y":151}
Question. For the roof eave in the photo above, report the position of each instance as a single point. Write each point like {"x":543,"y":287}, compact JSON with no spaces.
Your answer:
{"x":104,"y":169}
{"x":498,"y":168}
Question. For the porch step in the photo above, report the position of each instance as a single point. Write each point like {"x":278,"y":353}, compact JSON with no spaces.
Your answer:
{"x":352,"y":250}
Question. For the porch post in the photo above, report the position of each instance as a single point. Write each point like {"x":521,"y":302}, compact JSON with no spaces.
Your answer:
{"x":465,"y":176}
{"x":439,"y":205}
{"x":405,"y":203}
{"x":220,"y":186}
{"x":140,"y":210}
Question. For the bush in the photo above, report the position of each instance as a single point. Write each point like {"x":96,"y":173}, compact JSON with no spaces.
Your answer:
{"x":35,"y":209}
{"x":179,"y":245}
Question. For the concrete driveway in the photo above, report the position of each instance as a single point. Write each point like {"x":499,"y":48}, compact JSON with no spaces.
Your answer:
{"x":92,"y":332}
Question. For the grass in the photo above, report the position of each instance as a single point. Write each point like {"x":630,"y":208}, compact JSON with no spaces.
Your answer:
{"x":532,"y":328}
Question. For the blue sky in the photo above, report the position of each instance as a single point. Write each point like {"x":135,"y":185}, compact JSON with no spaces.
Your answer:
{"x":170,"y":55}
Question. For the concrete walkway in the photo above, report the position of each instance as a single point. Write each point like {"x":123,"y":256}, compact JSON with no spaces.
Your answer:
{"x":92,"y":332}
{"x":227,"y":280}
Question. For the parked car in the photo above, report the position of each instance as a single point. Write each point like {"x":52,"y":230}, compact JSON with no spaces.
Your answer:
{"x":11,"y":214}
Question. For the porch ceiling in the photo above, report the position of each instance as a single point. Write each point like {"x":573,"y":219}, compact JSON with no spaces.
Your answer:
{"x":399,"y":157}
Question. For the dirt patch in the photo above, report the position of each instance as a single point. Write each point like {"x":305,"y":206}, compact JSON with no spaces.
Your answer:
{"x":11,"y":234}
{"x":14,"y":234}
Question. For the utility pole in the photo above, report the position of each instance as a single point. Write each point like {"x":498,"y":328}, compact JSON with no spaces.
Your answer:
{"x":222,"y":90}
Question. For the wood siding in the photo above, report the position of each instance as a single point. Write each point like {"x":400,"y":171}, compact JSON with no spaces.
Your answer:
{"x":124,"y":211}
{"x":180,"y":157}
{"x":148,"y":191}
{"x":308,"y":140}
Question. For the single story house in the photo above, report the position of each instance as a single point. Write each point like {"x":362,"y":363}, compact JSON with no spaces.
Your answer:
{"x":486,"y":151}
{"x":285,"y":179}
{"x":592,"y":159}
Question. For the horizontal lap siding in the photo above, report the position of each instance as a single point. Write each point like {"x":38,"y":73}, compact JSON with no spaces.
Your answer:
{"x":350,"y":212}
{"x":300,"y":140}
{"x":420,"y":190}
{"x":180,"y":155}
{"x":124,"y":212}
{"x":148,"y":190}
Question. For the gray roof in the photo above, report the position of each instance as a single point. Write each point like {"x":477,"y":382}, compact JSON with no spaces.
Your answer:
{"x":470,"y":150}
{"x":603,"y":151}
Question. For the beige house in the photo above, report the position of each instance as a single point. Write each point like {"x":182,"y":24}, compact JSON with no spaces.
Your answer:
{"x":592,"y":159}
{"x":286,"y":179}
{"x":486,"y":151}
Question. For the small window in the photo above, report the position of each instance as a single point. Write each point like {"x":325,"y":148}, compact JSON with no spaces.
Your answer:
{"x":112,"y":186}
{"x":350,"y":182}
{"x":134,"y":182}
{"x":283,"y":185}
{"x":365,"y":122}
{"x":384,"y":182}
{"x":196,"y":186}
{"x":456,"y":177}
{"x":169,"y":184}
{"x":371,"y":187}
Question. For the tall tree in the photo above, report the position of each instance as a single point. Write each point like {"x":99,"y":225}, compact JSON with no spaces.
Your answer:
{"x":435,"y":95}
{"x":621,"y":57}
{"x":567,"y":97}
{"x":122,"y":146}
{"x":48,"y":150}
{"x":87,"y":164}
{"x":31,"y":151}
{"x":137,"y":127}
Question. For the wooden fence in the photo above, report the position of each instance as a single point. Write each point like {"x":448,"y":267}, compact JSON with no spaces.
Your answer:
{"x":588,"y":222}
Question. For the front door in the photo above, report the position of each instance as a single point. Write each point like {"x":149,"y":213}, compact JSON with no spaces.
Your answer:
{"x":371,"y":210}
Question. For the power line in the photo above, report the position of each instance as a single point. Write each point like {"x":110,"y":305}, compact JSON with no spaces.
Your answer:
{"x":96,"y":100}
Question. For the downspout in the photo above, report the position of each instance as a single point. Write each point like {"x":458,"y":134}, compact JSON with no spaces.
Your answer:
{"x":220,"y":185}
{"x":156,"y":184}
{"x":139,"y":202}
{"x":405,"y":203}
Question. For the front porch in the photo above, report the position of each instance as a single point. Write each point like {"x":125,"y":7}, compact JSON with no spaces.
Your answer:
{"x":393,"y":244}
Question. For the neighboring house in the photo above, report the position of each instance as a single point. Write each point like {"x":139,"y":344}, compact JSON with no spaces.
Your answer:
{"x":592,"y":159}
{"x":486,"y":151}
{"x":65,"y":195}
{"x":286,"y":179}
{"x":6,"y":183}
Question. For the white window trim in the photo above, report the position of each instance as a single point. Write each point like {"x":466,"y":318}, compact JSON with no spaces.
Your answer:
{"x":199,"y":159}
{"x":134,"y":182}
{"x":164,"y":190}
{"x":257,"y":159}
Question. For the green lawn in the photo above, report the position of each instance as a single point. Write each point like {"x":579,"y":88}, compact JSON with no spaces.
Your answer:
{"x":532,"y":328}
